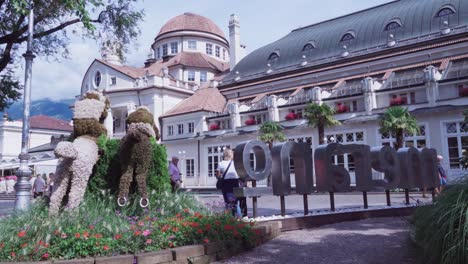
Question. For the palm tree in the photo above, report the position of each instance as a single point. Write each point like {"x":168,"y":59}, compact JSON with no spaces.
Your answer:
{"x":271,"y":132}
{"x":397,"y":121}
{"x":320,"y":116}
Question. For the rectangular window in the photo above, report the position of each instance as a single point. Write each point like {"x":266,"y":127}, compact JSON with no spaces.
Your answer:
{"x":217,"y":51}
{"x":189,"y":167}
{"x":113,"y":80}
{"x":412,"y":98}
{"x":192,"y":44}
{"x":191,"y":76}
{"x":158,"y":53}
{"x":164,"y":48}
{"x":354,"y":108}
{"x":224,"y":54}
{"x":191,"y":127}
{"x":215,"y":155}
{"x":170,"y":130}
{"x":209,"y":49}
{"x":173,"y":47}
{"x":203,"y":76}
{"x":180,"y":129}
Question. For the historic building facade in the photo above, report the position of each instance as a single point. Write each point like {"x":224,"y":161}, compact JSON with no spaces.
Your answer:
{"x":409,"y":52}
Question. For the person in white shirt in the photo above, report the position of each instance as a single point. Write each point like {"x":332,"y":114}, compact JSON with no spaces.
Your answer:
{"x":231,"y":179}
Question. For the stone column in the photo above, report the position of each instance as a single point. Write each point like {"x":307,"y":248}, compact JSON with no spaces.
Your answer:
{"x":316,"y":95}
{"x":432,"y":87}
{"x":233,"y":110}
{"x":369,"y":95}
{"x":272,"y":105}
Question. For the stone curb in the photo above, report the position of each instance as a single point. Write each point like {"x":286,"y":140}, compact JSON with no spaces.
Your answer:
{"x":194,"y":254}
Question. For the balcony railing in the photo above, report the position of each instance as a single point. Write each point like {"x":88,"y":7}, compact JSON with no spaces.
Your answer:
{"x":457,"y":69}
{"x":405,"y":78}
{"x":349,"y":88}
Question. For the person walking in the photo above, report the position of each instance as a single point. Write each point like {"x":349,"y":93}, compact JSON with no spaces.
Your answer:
{"x":39,"y":187}
{"x":442,"y":175}
{"x":175,"y":174}
{"x":227,"y":171}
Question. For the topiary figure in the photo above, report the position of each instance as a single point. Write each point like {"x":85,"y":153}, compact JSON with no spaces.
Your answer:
{"x":77,"y":158}
{"x":136,"y":154}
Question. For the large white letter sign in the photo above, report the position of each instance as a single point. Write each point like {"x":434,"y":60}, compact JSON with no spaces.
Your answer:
{"x":281,"y":174}
{"x":330,"y":177}
{"x":262,"y":160}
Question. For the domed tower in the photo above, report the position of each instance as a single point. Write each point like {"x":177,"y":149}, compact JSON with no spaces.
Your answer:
{"x":195,"y":44}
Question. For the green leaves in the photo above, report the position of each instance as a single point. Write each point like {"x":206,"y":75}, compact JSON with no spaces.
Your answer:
{"x":320,"y":115}
{"x":397,"y":121}
{"x":271,"y":132}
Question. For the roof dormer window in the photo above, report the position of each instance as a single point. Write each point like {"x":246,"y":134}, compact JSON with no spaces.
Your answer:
{"x":273,"y":56}
{"x":393,"y":24}
{"x":309,"y":46}
{"x":446,"y":11}
{"x":348,"y":36}
{"x":272,"y":60}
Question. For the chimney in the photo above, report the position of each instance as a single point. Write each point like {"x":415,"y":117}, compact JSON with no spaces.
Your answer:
{"x":235,"y":51}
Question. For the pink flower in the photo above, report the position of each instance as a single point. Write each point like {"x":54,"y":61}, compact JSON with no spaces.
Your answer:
{"x":63,"y":235}
{"x":45,"y":256}
{"x":146,"y":232}
{"x":148,"y":241}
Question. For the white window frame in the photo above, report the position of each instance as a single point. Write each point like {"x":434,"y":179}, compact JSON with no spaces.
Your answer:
{"x":180,"y":129}
{"x":203,"y":76}
{"x":458,"y":134}
{"x":165,"y":50}
{"x":224,"y":54}
{"x":218,"y":51}
{"x":191,"y":76}
{"x":209,"y":48}
{"x":345,"y":140}
{"x":191,"y":127}
{"x":190,"y":168}
{"x":213,"y":164}
{"x":113,"y":80}
{"x":158,"y":53}
{"x":170,"y":130}
{"x":391,"y":141}
{"x":174,"y":47}
{"x":192,"y":44}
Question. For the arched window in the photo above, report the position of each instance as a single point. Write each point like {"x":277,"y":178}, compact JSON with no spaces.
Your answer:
{"x":446,"y":11}
{"x":350,"y":35}
{"x":273,"y":56}
{"x":393,"y":24}
{"x":309,"y":46}
{"x":97,"y":79}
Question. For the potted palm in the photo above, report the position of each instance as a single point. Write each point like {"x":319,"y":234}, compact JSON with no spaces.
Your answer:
{"x":320,"y":116}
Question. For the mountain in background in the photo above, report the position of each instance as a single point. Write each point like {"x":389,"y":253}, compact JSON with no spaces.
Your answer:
{"x":57,"y":109}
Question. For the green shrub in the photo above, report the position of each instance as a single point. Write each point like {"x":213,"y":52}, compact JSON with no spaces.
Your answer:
{"x":441,"y":230}
{"x":107,"y":172}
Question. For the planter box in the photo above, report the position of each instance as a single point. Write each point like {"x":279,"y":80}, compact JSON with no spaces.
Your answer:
{"x":214,"y":133}
{"x":293,"y":123}
{"x":249,"y":128}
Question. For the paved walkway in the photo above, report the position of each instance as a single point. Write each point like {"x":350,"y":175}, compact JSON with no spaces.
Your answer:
{"x":378,"y":240}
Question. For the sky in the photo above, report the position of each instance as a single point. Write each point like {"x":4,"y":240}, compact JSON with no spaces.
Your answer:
{"x":261,"y":22}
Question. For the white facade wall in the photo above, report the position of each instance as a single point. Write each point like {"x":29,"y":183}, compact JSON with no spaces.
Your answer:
{"x":122,"y":80}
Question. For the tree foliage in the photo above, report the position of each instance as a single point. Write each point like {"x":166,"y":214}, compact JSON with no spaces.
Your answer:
{"x":397,"y":121}
{"x":54,"y":21}
{"x":320,"y":116}
{"x":271,"y":132}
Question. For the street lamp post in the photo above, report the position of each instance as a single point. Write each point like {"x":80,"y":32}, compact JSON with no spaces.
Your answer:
{"x":183,"y":165}
{"x":23,"y":187}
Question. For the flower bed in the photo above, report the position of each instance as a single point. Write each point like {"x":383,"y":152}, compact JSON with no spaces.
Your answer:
{"x":98,"y":228}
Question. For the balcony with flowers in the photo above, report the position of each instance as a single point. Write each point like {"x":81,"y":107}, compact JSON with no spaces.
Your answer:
{"x":252,"y":121}
{"x":398,"y":100}
{"x":293,"y":118}
{"x":463,"y":90}
{"x":218,"y":125}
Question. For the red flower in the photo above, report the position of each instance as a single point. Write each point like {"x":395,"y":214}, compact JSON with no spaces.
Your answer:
{"x":165,"y":228}
{"x":148,"y":241}
{"x":140,"y":223}
{"x":206,"y":240}
{"x":218,"y":223}
{"x":186,"y":210}
{"x":105,"y":247}
{"x":175,"y":229}
{"x":257,"y":232}
{"x":118,"y":236}
{"x":137,"y":233}
{"x":178,"y":215}
{"x":13,"y":254}
{"x":98,"y":236}
{"x":91,"y":227}
{"x":197,"y":214}
{"x":77,"y":235}
{"x":86,"y":234}
{"x":235,"y":233}
{"x":171,"y":245}
{"x":63,"y":235}
{"x":252,"y":223}
{"x":193,"y":224}
{"x":24,"y":245}
{"x":22,"y":233}
{"x":186,"y":223}
{"x":208,"y":227}
{"x":2,"y":245}
{"x":228,"y":227}
{"x":200,"y":231}
{"x":45,"y":256}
